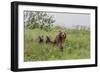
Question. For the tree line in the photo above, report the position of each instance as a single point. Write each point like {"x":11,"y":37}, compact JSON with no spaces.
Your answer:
{"x":38,"y":19}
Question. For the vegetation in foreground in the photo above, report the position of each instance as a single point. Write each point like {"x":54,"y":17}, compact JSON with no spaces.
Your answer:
{"x":76,"y":46}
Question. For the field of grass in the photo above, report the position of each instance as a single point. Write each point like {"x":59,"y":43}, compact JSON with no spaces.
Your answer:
{"x":76,"y":46}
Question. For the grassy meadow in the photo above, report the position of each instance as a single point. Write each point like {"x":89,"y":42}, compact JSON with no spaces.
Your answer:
{"x":76,"y":46}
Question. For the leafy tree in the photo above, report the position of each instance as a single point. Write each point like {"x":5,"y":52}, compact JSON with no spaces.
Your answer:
{"x":38,"y":19}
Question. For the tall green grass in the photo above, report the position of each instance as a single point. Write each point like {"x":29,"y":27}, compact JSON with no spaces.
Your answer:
{"x":76,"y":46}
